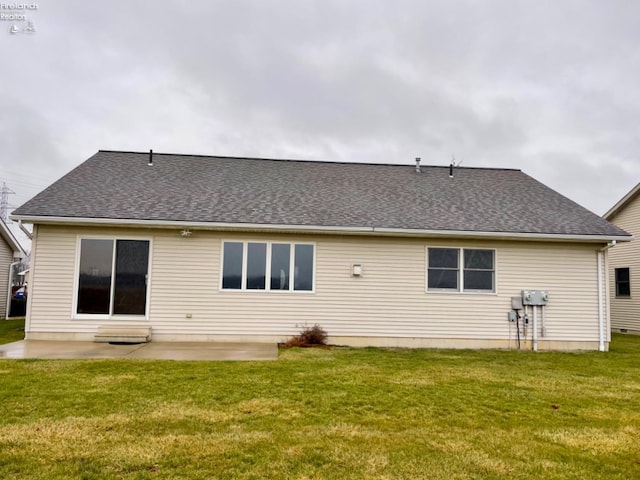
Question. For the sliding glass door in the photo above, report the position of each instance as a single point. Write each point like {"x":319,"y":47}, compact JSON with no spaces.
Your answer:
{"x":112,"y":278}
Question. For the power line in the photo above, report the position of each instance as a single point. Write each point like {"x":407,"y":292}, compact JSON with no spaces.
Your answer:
{"x":23,"y":183}
{"x":4,"y":202}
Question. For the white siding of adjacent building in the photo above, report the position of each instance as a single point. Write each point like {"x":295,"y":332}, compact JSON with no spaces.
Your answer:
{"x":387,"y":305}
{"x":625,"y":311}
{"x":6,"y":258}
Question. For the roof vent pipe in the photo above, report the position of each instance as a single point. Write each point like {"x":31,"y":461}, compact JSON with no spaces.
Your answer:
{"x":417,"y":164}
{"x":150,"y":158}
{"x":451,"y":170}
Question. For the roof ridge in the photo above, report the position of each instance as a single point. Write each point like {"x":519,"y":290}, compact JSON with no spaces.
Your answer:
{"x":294,"y":160}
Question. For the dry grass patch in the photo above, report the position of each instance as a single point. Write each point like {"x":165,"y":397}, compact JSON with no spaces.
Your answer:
{"x":597,"y":441}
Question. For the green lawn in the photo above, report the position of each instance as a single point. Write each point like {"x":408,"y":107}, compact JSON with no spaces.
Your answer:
{"x":11,"y":330}
{"x":334,"y":414}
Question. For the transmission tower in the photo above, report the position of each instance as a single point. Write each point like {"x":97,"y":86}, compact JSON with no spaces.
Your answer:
{"x":4,"y":202}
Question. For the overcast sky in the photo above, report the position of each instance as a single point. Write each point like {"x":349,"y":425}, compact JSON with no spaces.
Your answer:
{"x":549,"y":87}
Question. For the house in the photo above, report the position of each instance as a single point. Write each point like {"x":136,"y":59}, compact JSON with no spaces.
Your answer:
{"x":11,"y":253}
{"x":624,"y":265}
{"x":226,"y":249}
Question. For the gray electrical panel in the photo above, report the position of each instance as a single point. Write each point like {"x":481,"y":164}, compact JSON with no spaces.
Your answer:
{"x":535,"y":297}
{"x":516,"y":303}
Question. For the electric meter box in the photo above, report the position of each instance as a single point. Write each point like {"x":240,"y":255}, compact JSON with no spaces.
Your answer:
{"x":516,"y":303}
{"x":535,"y":297}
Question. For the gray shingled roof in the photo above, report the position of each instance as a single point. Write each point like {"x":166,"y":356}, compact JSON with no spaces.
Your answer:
{"x":120,"y":185}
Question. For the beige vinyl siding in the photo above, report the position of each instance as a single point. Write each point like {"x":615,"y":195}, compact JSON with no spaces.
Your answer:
{"x":51,"y":280}
{"x":6,"y":258}
{"x":388,"y":300}
{"x":625,"y":312}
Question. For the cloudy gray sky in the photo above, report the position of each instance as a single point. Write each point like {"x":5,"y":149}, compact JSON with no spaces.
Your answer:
{"x":549,"y":87}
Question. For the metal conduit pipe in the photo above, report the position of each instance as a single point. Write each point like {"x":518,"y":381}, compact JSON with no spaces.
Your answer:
{"x":534,"y":334}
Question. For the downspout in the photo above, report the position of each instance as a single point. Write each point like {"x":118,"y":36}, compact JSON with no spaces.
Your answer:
{"x":24,"y":229}
{"x":600,"y":295}
{"x":10,"y":288}
{"x":30,"y":278}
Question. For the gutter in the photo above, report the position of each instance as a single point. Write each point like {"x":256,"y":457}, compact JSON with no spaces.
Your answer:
{"x":325,"y":229}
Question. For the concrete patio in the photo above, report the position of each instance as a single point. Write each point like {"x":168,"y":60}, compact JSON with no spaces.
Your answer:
{"x":45,"y":349}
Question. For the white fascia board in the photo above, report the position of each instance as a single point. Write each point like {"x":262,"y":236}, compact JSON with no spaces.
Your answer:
{"x":11,"y":240}
{"x":325,"y":229}
{"x":522,"y":236}
{"x":622,"y":202}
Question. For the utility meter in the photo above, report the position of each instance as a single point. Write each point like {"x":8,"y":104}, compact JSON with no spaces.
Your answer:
{"x":535,"y":297}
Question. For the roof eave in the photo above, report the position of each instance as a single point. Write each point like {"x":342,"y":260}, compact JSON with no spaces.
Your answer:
{"x":11,"y":240}
{"x":324,"y":229}
{"x":622,"y":203}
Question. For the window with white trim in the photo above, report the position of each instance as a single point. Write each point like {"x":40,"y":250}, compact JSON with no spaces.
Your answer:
{"x":112,"y":276}
{"x":444,"y":272}
{"x":267,"y":266}
{"x":443,"y":269}
{"x":623,"y":282}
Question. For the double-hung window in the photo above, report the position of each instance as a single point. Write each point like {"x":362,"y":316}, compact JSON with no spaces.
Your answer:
{"x":444,"y":269}
{"x":623,"y":282}
{"x":460,"y":269}
{"x":267,"y":266}
{"x":479,"y":270}
{"x":112,"y":277}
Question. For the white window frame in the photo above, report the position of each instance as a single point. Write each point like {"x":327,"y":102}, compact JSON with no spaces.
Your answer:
{"x":461,"y":269}
{"x":76,"y":280}
{"x":269,"y":243}
{"x":617,"y":283}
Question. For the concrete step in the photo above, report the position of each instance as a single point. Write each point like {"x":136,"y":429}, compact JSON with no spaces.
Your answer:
{"x":111,"y":334}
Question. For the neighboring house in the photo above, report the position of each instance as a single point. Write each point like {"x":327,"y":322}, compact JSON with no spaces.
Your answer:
{"x":624,"y":265}
{"x":228,"y":249}
{"x":11,"y":253}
